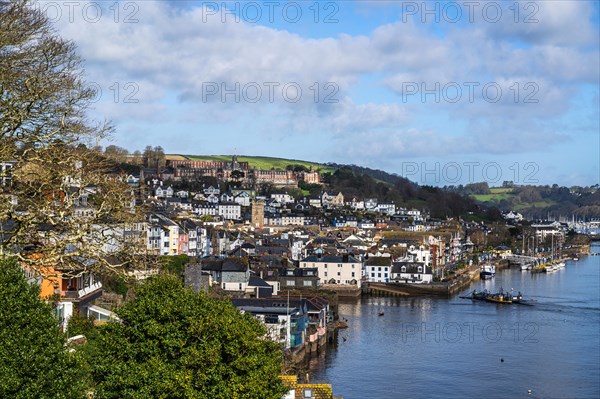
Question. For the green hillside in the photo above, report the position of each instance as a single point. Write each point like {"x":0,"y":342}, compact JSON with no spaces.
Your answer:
{"x":497,"y":194}
{"x":265,"y":163}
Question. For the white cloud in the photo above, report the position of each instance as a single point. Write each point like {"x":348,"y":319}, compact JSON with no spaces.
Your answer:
{"x":172,"y":53}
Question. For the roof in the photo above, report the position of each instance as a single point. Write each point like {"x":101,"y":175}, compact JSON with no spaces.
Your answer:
{"x":231,"y":264}
{"x":258,"y":282}
{"x":331,"y":259}
{"x":379,"y":261}
{"x":411,"y":267}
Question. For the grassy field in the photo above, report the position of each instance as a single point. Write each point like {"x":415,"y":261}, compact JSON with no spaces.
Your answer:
{"x":492,"y":197}
{"x":496,"y":194}
{"x":265,"y":163}
{"x":501,"y":190}
{"x":539,"y":204}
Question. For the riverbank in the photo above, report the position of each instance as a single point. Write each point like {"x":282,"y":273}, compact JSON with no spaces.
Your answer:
{"x":458,"y":282}
{"x":428,"y":333}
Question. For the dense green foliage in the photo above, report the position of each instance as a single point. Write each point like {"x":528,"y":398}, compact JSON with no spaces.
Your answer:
{"x":33,"y":360}
{"x":174,"y":343}
{"x":537,"y":202}
{"x":359,"y":182}
{"x":175,"y":264}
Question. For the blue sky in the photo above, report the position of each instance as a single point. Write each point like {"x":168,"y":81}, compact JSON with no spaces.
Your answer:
{"x":441,"y":92}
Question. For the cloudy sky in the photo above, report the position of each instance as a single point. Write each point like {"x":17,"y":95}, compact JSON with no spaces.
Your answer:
{"x":441,"y":92}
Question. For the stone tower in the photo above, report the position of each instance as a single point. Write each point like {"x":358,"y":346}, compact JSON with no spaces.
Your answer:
{"x":258,"y":213}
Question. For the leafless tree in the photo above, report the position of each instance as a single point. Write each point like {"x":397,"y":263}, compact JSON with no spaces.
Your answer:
{"x":60,"y":207}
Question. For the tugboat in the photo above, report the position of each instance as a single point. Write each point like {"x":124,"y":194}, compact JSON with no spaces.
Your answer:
{"x":487,"y":271}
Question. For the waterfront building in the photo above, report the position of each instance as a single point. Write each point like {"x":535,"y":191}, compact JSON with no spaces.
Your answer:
{"x":344,"y":270}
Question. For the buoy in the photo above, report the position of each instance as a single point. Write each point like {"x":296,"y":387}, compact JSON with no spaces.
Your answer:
{"x":502,"y":360}
{"x":529,"y":392}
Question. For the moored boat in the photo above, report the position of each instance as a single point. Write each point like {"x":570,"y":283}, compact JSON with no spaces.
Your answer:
{"x":549,"y":268}
{"x":526,"y":266}
{"x":487,"y":271}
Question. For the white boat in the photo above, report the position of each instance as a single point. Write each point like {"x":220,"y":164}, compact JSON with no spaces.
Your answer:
{"x":526,"y":266}
{"x":487,"y":271}
{"x":550,"y":268}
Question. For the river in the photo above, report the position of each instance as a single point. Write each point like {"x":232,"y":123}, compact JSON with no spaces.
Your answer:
{"x":458,"y":348}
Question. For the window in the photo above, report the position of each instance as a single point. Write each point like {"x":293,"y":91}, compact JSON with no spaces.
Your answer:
{"x":325,"y":265}
{"x":291,"y":282}
{"x":339,"y":273}
{"x":325,"y":274}
{"x":385,"y":275}
{"x":339,"y":265}
{"x":240,"y":286}
{"x":378,"y":274}
{"x":372,"y":274}
{"x":307,"y":283}
{"x":403,"y":269}
{"x":352,"y":274}
{"x":420,"y":269}
{"x":307,"y":394}
{"x":379,"y":269}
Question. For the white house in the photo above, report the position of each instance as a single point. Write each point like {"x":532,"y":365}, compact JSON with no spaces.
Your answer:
{"x":284,"y":198}
{"x":412,"y":273}
{"x":378,"y":269}
{"x":366,"y":224}
{"x":421,"y":254}
{"x":242,"y":198}
{"x":161,"y":192}
{"x":315,"y":202}
{"x":211,"y":191}
{"x":386,"y":207}
{"x":213,"y":198}
{"x":356,"y":204}
{"x":229,"y":210}
{"x":370,"y":203}
{"x":343,"y":270}
{"x":292,"y":220}
{"x":206,"y":209}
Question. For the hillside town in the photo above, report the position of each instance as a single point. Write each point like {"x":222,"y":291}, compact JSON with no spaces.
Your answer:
{"x":282,"y":258}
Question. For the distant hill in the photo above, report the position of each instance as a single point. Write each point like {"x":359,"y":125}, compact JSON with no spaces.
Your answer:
{"x":539,"y":202}
{"x":361,"y":182}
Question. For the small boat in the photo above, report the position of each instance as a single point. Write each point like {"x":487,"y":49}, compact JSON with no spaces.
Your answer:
{"x":526,"y":266}
{"x":500,"y":297}
{"x":487,"y":271}
{"x":479,"y":295}
{"x":380,"y":312}
{"x":549,"y":268}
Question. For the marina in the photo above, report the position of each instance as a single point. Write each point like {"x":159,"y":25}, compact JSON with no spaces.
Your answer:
{"x":432,"y":347}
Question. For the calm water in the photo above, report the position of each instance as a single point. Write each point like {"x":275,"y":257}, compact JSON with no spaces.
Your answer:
{"x":453,"y":348}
